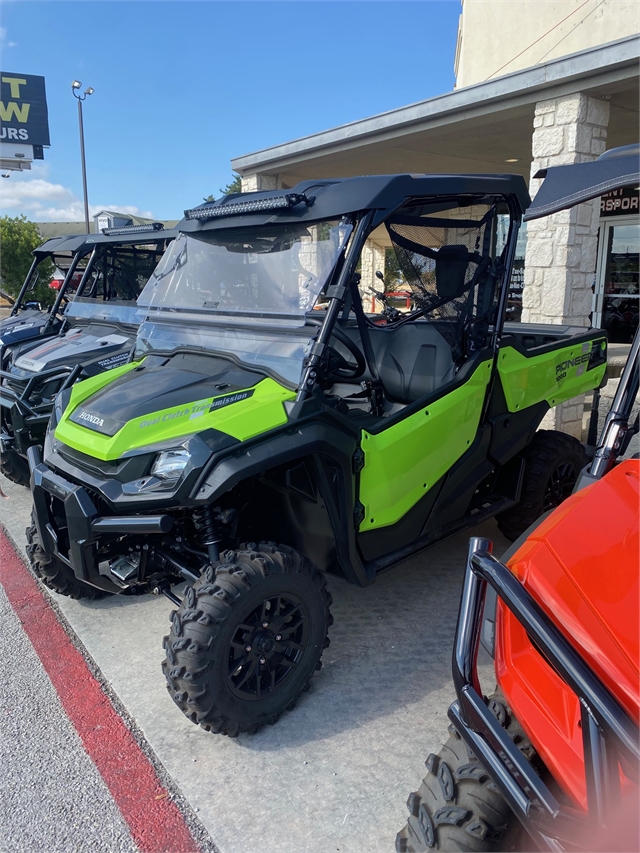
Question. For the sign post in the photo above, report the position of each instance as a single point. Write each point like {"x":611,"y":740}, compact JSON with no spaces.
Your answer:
{"x":75,"y":88}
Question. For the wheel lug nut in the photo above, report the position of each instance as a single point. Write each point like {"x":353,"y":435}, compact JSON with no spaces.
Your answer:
{"x":247,"y":648}
{"x":263,"y":660}
{"x":265,"y":624}
{"x":278,"y":637}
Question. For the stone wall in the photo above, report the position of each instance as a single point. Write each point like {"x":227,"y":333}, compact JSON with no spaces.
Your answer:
{"x":371,"y":259}
{"x":560,"y":259}
{"x":256,"y":183}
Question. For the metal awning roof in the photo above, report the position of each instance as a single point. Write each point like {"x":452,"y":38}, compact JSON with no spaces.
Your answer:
{"x":472,"y":129}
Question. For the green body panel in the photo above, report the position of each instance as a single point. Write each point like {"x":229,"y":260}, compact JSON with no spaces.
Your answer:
{"x":244,"y":419}
{"x":553,"y":376}
{"x":404,"y":461}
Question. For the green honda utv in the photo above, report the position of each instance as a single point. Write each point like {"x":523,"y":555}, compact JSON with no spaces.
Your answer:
{"x":268,"y":431}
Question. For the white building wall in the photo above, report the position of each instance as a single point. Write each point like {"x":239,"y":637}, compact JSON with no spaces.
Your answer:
{"x":497,"y":37}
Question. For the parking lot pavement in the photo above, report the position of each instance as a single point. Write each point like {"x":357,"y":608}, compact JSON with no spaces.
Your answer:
{"x":333,"y":774}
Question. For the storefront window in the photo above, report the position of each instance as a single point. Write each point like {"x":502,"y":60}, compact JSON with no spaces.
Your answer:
{"x":620,"y":299}
{"x":516,"y":282}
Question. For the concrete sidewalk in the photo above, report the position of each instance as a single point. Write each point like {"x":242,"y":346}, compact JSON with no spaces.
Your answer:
{"x":334,"y":774}
{"x":39,"y":747}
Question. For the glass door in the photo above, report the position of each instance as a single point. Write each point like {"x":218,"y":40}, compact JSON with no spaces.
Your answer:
{"x":617,"y":304}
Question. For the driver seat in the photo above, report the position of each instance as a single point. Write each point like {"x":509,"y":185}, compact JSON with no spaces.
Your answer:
{"x":412,"y":360}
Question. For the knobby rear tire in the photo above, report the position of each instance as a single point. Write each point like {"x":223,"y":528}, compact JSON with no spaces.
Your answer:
{"x":549,"y":454}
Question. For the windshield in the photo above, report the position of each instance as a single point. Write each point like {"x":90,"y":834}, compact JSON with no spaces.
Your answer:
{"x":261,"y":274}
{"x":115,"y":279}
{"x":243,"y":293}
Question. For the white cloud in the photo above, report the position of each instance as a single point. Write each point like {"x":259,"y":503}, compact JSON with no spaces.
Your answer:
{"x":44,"y":201}
{"x":3,"y":39}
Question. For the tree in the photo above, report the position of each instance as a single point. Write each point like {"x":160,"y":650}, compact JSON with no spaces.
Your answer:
{"x":18,"y":238}
{"x":234,"y":186}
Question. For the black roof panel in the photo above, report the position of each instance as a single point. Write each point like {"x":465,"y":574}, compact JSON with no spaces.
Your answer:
{"x":86,"y":242}
{"x":337,"y":197}
{"x":566,"y":186}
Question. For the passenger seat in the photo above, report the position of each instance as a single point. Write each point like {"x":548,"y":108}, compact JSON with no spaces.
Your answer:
{"x":413,"y":360}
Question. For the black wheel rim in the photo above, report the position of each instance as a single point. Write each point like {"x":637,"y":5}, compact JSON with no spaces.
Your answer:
{"x":560,"y":485}
{"x":267,"y":647}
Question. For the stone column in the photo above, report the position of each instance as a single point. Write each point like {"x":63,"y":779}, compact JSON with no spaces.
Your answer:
{"x":560,"y":258}
{"x":371,"y":259}
{"x":256,"y":183}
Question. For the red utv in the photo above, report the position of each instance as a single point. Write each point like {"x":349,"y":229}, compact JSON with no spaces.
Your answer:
{"x":550,"y":761}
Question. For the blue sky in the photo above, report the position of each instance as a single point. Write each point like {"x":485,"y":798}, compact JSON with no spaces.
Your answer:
{"x":181,"y":87}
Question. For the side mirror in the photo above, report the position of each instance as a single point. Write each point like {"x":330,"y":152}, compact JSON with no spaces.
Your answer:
{"x":380,"y":276}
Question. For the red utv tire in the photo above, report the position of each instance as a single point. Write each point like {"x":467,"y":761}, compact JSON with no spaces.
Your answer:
{"x":458,"y":807}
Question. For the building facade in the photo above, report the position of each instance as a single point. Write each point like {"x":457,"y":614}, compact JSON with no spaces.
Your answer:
{"x":539,"y":83}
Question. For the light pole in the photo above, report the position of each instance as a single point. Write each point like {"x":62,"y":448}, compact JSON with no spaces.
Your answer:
{"x":75,"y":88}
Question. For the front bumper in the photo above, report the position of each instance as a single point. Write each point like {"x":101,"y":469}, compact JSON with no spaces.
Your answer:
{"x":71,"y":532}
{"x":608,"y":733}
{"x":28,"y":417}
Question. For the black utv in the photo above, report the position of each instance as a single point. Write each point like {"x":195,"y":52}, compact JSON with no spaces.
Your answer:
{"x":90,"y":328}
{"x":269,"y":431}
{"x":32,"y":317}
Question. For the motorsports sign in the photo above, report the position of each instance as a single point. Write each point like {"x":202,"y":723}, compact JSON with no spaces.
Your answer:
{"x":23,"y":109}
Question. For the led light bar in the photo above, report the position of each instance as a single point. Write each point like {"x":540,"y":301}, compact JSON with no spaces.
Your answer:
{"x":133,"y":229}
{"x":282,"y":202}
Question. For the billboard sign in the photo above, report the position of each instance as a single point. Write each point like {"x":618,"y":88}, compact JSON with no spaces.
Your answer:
{"x":23,"y":109}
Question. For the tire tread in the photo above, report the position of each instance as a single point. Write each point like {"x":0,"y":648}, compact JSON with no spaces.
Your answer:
{"x":53,"y":573}
{"x":210,"y":602}
{"x":473,"y":815}
{"x":546,"y":450}
{"x":14,"y":467}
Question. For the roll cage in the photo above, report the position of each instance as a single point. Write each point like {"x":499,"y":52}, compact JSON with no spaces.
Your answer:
{"x":370,"y":202}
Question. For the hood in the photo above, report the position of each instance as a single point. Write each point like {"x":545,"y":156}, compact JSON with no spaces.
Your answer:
{"x":105,"y":347}
{"x":581,"y":565}
{"x":144,"y":404}
{"x":22,"y":327}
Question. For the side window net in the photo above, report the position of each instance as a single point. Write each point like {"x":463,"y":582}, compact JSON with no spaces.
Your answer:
{"x":447,"y":269}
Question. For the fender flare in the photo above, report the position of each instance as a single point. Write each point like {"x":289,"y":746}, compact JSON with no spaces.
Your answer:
{"x":315,"y":441}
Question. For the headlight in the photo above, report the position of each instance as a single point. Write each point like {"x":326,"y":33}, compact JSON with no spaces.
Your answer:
{"x":165,"y":474}
{"x":170,"y":464}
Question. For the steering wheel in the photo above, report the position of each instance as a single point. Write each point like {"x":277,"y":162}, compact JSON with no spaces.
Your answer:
{"x":346,"y":370}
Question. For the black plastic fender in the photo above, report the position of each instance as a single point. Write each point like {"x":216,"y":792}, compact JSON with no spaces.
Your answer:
{"x":314,"y":441}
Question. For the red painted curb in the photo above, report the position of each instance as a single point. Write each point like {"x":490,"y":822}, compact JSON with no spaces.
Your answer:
{"x":155,"y":822}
